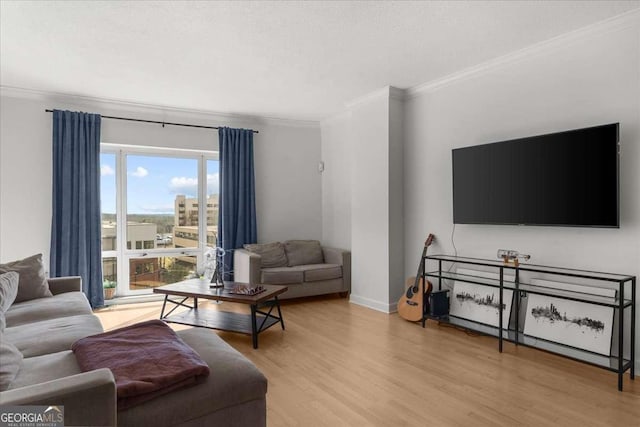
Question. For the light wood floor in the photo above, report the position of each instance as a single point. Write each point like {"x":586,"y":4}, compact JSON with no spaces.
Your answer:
{"x":339,"y":364}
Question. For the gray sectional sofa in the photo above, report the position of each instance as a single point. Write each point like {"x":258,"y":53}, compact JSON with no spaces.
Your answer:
{"x":44,"y":329}
{"x":306,"y":267}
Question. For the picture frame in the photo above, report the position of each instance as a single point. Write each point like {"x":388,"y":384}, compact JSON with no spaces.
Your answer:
{"x":480,"y":303}
{"x":576,"y":324}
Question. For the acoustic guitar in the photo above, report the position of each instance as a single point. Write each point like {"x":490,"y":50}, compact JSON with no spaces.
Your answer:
{"x":411,"y":304}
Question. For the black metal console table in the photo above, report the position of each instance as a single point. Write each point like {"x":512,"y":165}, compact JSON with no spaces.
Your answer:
{"x":625,"y":300}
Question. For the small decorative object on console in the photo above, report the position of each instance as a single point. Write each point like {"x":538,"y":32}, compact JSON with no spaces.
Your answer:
{"x":511,"y":256}
{"x":247,"y":289}
{"x":212,"y":263}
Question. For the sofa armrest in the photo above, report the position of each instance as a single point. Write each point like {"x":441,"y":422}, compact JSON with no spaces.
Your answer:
{"x":89,"y":398}
{"x":246,"y":266}
{"x":342,"y":257}
{"x":336,"y":256}
{"x":60,"y":285}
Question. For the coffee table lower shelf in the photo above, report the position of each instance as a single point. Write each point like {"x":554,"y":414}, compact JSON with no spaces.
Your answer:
{"x":222,"y":320}
{"x":225,"y":321}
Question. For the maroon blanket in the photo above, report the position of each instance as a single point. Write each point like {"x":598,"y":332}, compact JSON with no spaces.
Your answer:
{"x":147,"y":359}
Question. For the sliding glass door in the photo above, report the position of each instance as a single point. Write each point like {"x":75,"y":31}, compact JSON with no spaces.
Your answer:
{"x":159,"y":212}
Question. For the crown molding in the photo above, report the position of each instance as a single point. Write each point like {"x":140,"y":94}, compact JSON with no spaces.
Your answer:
{"x":340,"y":115}
{"x":616,"y":23}
{"x":371,"y":96}
{"x":387,"y":91}
{"x":136,"y":107}
{"x":390,"y":92}
{"x":397,"y":93}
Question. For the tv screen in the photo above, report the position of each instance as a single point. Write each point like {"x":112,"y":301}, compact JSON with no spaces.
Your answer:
{"x":563,"y":179}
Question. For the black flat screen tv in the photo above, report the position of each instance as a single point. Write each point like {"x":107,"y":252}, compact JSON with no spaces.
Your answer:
{"x":561,"y":179}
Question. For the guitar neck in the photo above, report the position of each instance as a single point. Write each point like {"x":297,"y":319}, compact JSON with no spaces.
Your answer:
{"x":427,"y":243}
{"x":420,"y":268}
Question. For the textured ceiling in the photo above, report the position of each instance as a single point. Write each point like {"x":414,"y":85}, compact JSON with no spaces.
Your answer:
{"x":295,"y":60}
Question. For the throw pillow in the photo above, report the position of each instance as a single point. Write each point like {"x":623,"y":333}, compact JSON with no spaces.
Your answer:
{"x":8,"y":290}
{"x":272,"y":254}
{"x":302,"y":252}
{"x":32,"y":283}
{"x":11,"y":363}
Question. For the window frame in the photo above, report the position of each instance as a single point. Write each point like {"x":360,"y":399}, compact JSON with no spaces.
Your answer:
{"x":122,"y":254}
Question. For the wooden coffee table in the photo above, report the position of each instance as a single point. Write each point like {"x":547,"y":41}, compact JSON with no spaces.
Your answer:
{"x":250,"y":324}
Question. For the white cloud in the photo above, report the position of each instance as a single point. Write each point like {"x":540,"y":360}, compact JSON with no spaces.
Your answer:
{"x":140,"y":172}
{"x":184,"y":185}
{"x":189,"y":186}
{"x":106,"y":170}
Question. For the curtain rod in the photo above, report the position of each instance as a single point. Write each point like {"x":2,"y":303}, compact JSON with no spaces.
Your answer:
{"x":159,"y":123}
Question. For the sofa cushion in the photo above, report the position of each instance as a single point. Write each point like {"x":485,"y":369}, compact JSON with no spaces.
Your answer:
{"x":11,"y":359}
{"x":272,"y":254}
{"x":282,"y":275}
{"x":50,"y":336}
{"x":36,"y":310}
{"x":8,"y":289}
{"x":48,"y":367}
{"x":234,"y":380}
{"x":302,"y":252}
{"x":315,"y":272}
{"x":32,"y":282}
{"x":8,"y":292}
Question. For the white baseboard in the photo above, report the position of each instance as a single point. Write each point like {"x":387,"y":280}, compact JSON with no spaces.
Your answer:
{"x":393,"y":308}
{"x":373,"y":304}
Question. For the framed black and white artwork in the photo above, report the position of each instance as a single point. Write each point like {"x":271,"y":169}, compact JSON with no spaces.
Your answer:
{"x":481,"y":303}
{"x":574,"y":323}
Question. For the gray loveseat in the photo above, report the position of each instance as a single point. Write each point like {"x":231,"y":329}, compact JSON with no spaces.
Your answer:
{"x":43,"y":330}
{"x":306,"y":267}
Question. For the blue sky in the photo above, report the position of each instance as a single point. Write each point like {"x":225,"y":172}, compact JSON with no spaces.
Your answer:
{"x":153,"y":182}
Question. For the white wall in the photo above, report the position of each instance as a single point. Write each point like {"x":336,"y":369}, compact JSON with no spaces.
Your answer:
{"x":362,"y":190}
{"x":588,"y":79}
{"x":25,"y":180}
{"x":288,"y":185}
{"x":337,"y":153}
{"x":369,"y":202}
{"x":396,"y":199}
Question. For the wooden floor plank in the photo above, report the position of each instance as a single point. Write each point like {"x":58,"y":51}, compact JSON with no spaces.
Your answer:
{"x":339,"y":364}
